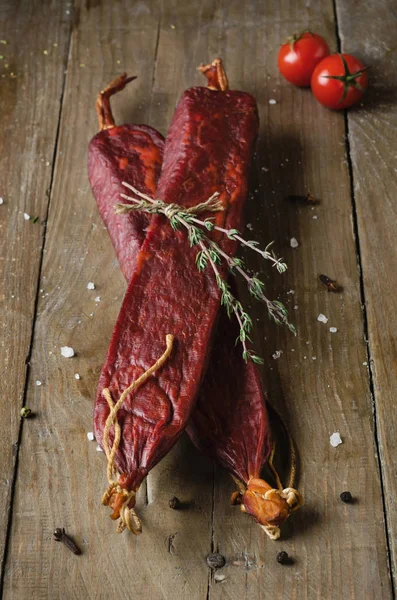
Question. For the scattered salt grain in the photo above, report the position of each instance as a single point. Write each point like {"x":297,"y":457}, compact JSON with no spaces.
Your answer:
{"x":77,"y":376}
{"x":314,"y":217}
{"x":322,"y":318}
{"x":219,"y":578}
{"x":277,"y":354}
{"x":249,"y":226}
{"x":365,"y":364}
{"x":90,"y":436}
{"x":99,"y":449}
{"x":333,"y":329}
{"x":296,"y":307}
{"x":335,"y":439}
{"x":26,"y":216}
{"x":1,"y":200}
{"x":272,"y":101}
{"x":290,"y":292}
{"x":314,"y":357}
{"x":294,"y":243}
{"x":98,"y":299}
{"x":90,"y":286}
{"x":67,"y":351}
{"x":38,"y":383}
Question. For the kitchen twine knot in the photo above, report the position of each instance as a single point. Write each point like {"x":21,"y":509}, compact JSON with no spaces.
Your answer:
{"x":294,"y":500}
{"x":171,"y":210}
{"x":212,"y":204}
{"x":128,"y":517}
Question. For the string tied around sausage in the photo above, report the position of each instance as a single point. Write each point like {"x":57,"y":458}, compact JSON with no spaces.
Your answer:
{"x":128,"y":517}
{"x":155,"y":206}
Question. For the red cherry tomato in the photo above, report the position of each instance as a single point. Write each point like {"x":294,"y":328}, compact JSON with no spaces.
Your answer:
{"x":298,"y":57}
{"x":339,"y":81}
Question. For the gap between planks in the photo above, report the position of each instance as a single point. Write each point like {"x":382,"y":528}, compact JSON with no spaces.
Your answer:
{"x":36,"y":301}
{"x":365,"y":318}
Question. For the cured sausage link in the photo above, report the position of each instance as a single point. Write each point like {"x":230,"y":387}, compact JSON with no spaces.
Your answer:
{"x":230,"y":423}
{"x":208,"y":149}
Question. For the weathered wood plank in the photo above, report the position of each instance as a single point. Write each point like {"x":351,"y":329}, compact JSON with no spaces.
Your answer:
{"x":319,"y":383}
{"x":32,"y":63}
{"x":368,"y":30}
{"x":302,"y":147}
{"x":168,"y":560}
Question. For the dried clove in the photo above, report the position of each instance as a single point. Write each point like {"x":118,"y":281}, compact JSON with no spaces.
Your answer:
{"x":346,"y":497}
{"x":330,"y":284}
{"x":307,"y":199}
{"x":26,"y":412}
{"x":216,"y":560}
{"x":174,"y":503}
{"x":61,"y":536}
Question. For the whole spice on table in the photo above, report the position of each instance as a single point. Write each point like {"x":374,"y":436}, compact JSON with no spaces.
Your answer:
{"x":61,"y":536}
{"x":330,"y":284}
{"x":174,"y":503}
{"x":346,"y":497}
{"x":222,"y":366}
{"x":282,"y":557}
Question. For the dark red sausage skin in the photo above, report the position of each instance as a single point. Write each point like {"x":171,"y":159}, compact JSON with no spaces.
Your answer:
{"x":208,"y":149}
{"x":230,"y":423}
{"x":132,"y":153}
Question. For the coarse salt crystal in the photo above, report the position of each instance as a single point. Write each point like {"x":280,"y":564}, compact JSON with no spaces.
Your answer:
{"x":333,"y":329}
{"x":294,"y":243}
{"x":335,"y":439}
{"x":277,"y":354}
{"x":26,"y":216}
{"x":314,"y":357}
{"x":99,"y":449}
{"x":1,"y":200}
{"x":314,"y":217}
{"x":90,"y":436}
{"x":272,"y":101}
{"x":77,"y":376}
{"x":322,"y":318}
{"x":38,"y":383}
{"x":90,"y":286}
{"x":67,"y":351}
{"x":290,"y":292}
{"x":365,"y":364}
{"x":98,"y":299}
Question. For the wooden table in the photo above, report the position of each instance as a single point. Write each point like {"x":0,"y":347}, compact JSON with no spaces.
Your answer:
{"x":57,"y":57}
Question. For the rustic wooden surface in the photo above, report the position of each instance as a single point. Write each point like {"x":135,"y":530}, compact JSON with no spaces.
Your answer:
{"x":50,"y":474}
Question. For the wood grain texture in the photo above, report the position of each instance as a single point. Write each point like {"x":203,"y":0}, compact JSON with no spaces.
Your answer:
{"x":30,"y":94}
{"x":368,"y":30}
{"x":170,"y":555}
{"x":319,"y":383}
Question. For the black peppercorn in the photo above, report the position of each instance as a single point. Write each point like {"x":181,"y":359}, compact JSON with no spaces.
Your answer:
{"x":216,"y":560}
{"x":282,"y":557}
{"x":346,"y":497}
{"x":174,"y":503}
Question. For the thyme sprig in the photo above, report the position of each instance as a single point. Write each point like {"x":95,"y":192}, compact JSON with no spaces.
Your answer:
{"x":210,"y":254}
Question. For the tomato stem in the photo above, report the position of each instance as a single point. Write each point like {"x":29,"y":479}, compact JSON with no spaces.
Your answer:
{"x":292,"y":39}
{"x":348,"y":79}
